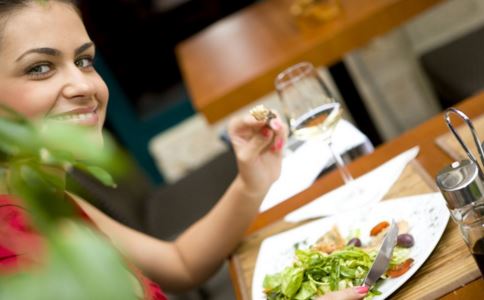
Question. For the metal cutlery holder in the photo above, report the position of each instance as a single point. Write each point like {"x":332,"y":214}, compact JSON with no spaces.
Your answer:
{"x":462,"y":182}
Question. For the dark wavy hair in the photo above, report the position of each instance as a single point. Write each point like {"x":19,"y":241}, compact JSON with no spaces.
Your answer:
{"x":8,"y":6}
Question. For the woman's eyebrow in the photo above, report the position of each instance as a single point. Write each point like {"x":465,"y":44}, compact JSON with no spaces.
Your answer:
{"x":45,"y":50}
{"x":55,"y":52}
{"x":83,"y":48}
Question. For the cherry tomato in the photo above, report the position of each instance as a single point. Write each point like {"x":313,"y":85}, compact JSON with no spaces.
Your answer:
{"x":400,"y":269}
{"x":378,"y":228}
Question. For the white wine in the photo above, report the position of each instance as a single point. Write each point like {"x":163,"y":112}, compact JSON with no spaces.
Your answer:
{"x":319,"y":121}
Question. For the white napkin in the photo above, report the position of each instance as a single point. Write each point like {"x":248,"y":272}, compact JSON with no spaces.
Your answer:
{"x":301,"y":167}
{"x":363,"y":191}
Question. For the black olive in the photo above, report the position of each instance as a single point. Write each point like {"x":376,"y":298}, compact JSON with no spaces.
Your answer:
{"x":405,"y":240}
{"x":354,"y":242}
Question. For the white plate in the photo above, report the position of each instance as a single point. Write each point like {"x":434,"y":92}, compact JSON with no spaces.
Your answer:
{"x":427,"y":216}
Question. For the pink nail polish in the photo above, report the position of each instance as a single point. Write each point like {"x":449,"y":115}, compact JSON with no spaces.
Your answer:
{"x":279,"y":144}
{"x":362,"y":289}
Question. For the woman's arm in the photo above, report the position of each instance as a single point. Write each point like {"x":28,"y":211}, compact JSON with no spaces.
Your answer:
{"x":201,"y":249}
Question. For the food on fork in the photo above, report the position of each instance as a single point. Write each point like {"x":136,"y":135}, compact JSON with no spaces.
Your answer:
{"x":262,"y":113}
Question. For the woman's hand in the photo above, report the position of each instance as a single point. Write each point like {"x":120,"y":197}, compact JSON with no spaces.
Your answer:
{"x":353,"y":293}
{"x":258,"y":148}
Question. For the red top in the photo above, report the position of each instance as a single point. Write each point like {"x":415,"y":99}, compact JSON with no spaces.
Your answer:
{"x":17,"y":237}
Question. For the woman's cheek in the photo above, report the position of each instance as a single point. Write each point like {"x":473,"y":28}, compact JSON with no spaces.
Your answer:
{"x":32,"y":103}
{"x":44,"y":105}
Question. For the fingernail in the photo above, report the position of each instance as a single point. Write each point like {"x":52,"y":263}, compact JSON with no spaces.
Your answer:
{"x":279,"y":143}
{"x":266,"y":132}
{"x":362,"y":289}
{"x":276,"y":124}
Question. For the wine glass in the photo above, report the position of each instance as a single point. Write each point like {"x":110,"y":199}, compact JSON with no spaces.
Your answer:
{"x":312,"y":110}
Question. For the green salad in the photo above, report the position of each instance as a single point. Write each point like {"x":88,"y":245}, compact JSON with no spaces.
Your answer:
{"x":315,"y":273}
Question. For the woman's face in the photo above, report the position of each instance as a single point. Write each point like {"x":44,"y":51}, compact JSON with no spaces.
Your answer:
{"x":46,"y":67}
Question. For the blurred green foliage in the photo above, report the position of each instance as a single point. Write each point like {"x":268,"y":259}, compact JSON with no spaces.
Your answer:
{"x":79,"y":262}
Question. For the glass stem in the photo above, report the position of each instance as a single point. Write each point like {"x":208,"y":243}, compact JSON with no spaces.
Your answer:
{"x":340,"y":164}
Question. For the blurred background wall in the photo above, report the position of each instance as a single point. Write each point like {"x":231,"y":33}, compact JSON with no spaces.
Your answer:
{"x":399,"y":74}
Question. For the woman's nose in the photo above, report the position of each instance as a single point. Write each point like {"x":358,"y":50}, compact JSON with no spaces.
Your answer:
{"x":78,"y":85}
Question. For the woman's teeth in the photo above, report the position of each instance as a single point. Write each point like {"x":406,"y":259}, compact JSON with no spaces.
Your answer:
{"x":77,"y":117}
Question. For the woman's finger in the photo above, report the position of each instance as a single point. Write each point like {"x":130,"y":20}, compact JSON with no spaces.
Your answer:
{"x":251,"y":137}
{"x":354,"y":293}
{"x":256,"y":144}
{"x":280,"y":136}
{"x":245,"y":123}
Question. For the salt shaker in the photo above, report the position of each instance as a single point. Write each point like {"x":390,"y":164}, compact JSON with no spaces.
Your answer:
{"x":462,"y":185}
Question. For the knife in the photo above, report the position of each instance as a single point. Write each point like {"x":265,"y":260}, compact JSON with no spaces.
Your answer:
{"x":383,"y":257}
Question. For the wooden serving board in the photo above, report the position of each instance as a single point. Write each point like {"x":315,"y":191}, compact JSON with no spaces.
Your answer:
{"x":449,"y":143}
{"x":448,"y":267}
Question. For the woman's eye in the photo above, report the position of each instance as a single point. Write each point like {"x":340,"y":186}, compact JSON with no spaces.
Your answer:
{"x":84,"y":62}
{"x":39,"y":70}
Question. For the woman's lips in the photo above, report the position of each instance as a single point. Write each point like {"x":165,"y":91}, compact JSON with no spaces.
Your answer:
{"x":85,"y":117}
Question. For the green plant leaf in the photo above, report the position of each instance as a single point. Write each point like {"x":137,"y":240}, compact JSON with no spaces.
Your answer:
{"x":20,"y":138}
{"x":59,"y":158}
{"x":80,"y":266}
{"x":98,"y":173}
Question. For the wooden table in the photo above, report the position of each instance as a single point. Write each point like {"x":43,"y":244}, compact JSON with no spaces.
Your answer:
{"x":431,"y":159}
{"x":235,"y":61}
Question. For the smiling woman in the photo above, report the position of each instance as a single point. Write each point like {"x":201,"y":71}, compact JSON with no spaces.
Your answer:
{"x":50,"y":66}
